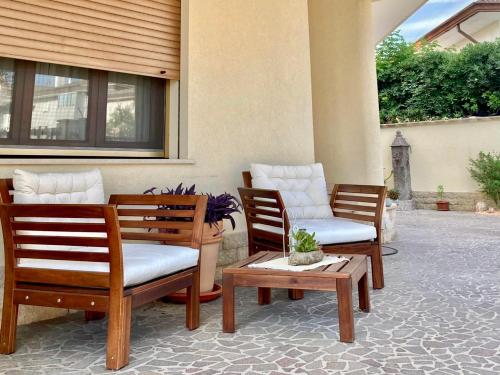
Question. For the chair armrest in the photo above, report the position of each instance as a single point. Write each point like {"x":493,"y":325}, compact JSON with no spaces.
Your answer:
{"x":360,"y":203}
{"x":264,"y":206}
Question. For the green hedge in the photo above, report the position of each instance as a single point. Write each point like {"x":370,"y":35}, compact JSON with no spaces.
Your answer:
{"x":431,"y":84}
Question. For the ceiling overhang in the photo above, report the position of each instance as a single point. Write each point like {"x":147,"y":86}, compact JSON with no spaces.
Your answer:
{"x":389,"y":14}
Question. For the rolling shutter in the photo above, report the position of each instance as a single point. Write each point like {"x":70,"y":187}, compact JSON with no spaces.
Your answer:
{"x":130,"y":36}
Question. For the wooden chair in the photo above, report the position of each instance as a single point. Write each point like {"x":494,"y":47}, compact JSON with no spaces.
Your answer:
{"x":361,"y":203}
{"x":97,"y":232}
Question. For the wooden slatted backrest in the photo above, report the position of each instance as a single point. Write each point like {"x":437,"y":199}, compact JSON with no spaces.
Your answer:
{"x":51,"y":232}
{"x":171,"y":219}
{"x":6,"y":190}
{"x":359,"y":202}
{"x":264,"y":207}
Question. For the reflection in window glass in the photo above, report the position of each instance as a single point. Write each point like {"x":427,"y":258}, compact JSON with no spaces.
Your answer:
{"x":128,"y":108}
{"x":60,"y":103}
{"x":6,"y":84}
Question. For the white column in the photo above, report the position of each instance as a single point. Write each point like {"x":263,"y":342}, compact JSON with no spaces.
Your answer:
{"x":344,"y":86}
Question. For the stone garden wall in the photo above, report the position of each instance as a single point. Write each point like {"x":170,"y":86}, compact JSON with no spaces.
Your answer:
{"x":439,"y":155}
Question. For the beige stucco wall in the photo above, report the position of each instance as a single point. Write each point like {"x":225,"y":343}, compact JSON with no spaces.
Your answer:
{"x":440,"y":151}
{"x":345,"y":101}
{"x":248,"y":98}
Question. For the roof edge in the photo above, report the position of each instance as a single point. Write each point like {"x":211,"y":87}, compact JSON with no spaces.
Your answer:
{"x":461,"y":16}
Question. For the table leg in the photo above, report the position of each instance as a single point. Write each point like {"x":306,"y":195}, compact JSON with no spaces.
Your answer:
{"x":228,"y":303}
{"x":364,"y":297}
{"x":264,"y":296}
{"x":295,"y":294}
{"x":346,"y":318}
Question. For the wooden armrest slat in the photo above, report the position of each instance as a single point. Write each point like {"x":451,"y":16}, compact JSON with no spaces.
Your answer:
{"x":58,"y":227}
{"x":84,"y":256}
{"x":360,"y":189}
{"x":162,"y":199}
{"x":355,"y":207}
{"x":154,"y":212}
{"x":356,"y":198}
{"x":259,"y":211}
{"x":62,"y":277}
{"x":154,"y":236}
{"x":59,"y":240}
{"x":71,"y":211}
{"x":187,"y":225}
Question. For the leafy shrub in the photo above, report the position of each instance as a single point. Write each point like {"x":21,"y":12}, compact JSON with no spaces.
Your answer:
{"x":393,"y":194}
{"x":425,"y":83}
{"x":440,"y":192}
{"x":486,"y":171}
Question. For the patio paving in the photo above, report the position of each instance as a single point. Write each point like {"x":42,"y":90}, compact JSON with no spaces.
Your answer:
{"x":438,"y":314}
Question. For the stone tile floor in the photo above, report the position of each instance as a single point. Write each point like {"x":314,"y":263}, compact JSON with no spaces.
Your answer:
{"x":439,"y":314}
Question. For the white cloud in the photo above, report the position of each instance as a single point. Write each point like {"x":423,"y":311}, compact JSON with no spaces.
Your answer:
{"x":421,"y":25}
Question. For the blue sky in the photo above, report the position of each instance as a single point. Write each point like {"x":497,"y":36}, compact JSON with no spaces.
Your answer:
{"x":429,"y":16}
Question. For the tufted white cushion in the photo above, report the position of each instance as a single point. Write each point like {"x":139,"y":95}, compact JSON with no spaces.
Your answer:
{"x":55,"y":188}
{"x":330,"y":231}
{"x":141,"y":262}
{"x":302,"y":187}
{"x":78,"y":187}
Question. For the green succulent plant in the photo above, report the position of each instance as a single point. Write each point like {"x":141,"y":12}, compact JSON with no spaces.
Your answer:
{"x":304,"y":242}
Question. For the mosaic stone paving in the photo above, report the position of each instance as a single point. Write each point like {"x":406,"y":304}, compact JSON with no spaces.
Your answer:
{"x":439,"y":314}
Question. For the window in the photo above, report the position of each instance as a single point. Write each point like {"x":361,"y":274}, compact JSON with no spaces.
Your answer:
{"x":60,"y":103}
{"x":6,"y":85}
{"x":50,"y":106}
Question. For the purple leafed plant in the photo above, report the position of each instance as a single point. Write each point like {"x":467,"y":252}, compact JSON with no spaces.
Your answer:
{"x":219,"y":207}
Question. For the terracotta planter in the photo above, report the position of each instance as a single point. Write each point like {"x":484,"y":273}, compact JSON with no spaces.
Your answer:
{"x":443,"y":205}
{"x":212,"y":238}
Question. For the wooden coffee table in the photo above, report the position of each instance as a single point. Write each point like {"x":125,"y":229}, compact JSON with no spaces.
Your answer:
{"x":338,"y":277}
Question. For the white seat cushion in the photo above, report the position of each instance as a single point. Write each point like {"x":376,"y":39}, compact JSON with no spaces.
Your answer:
{"x":302,"y":187}
{"x":141,"y":262}
{"x":52,"y":188}
{"x":330,"y":231}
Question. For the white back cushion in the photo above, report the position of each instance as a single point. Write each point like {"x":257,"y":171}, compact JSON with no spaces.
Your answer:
{"x":302,"y":187}
{"x":59,"y":188}
{"x":79,"y":187}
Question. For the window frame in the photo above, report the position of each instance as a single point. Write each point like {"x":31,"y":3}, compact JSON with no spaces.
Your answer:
{"x":22,"y":107}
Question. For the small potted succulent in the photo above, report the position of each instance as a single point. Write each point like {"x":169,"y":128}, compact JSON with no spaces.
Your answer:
{"x":392,"y":197}
{"x":219,"y":208}
{"x":304,"y":248}
{"x":442,"y":204}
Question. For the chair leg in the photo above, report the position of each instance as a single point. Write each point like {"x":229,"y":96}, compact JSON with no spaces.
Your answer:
{"x":193,"y":303}
{"x":118,"y":346}
{"x":9,"y":323}
{"x":94,"y":315}
{"x":377,"y":268}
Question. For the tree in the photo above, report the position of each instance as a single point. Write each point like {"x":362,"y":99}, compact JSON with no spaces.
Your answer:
{"x":121,"y":123}
{"x":426,"y":83}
